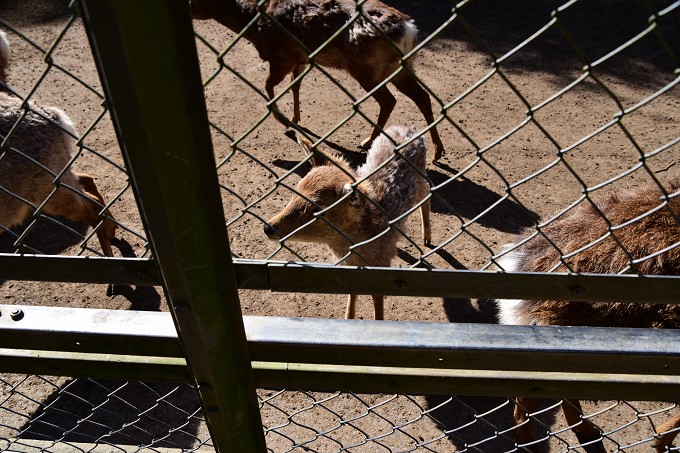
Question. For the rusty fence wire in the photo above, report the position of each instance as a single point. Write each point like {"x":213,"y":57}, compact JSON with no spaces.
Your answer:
{"x":542,"y":106}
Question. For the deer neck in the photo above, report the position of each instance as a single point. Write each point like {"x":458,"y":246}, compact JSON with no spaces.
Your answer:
{"x":373,"y":222}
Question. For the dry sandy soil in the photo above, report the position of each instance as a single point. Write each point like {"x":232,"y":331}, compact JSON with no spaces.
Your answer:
{"x":451,"y":63}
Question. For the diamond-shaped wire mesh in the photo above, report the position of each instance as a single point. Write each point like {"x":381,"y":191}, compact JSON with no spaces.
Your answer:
{"x":540,"y":106}
{"x":60,"y":414}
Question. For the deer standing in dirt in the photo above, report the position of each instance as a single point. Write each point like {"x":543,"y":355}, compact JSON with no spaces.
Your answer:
{"x":370,"y":48}
{"x":577,"y":228}
{"x":37,"y":142}
{"x":342,"y":207}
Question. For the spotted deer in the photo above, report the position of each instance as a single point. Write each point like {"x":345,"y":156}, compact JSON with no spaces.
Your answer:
{"x":657,"y":229}
{"x":359,"y":213}
{"x":37,"y":142}
{"x":370,"y":47}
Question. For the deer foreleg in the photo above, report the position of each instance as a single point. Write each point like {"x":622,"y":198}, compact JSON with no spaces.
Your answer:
{"x":666,"y":434}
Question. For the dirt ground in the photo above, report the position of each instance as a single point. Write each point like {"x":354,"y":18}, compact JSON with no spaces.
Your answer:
{"x":465,"y":230}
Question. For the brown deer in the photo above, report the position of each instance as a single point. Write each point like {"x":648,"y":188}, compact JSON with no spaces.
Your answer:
{"x":370,"y":47}
{"x":656,"y":230}
{"x":37,"y":142}
{"x":359,"y":213}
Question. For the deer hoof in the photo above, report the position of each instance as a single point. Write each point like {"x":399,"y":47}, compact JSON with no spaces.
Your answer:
{"x":591,"y":444}
{"x":366,"y":144}
{"x":659,"y":445}
{"x":438,"y":153}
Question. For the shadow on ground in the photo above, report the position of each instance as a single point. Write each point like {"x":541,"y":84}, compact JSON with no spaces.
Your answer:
{"x":132,"y":413}
{"x":590,"y":31}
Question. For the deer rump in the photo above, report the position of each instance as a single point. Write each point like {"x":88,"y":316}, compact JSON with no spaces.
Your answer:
{"x":643,"y":227}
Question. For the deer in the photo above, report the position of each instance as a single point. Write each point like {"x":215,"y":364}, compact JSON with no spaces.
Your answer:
{"x":657,"y":229}
{"x":370,"y":48}
{"x":359,"y":214}
{"x":36,"y":144}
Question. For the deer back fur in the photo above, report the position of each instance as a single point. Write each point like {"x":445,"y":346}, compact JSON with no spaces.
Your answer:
{"x":313,"y":23}
{"x":583,"y":225}
{"x":38,"y":149}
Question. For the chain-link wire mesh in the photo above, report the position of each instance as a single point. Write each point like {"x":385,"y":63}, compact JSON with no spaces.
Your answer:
{"x":42,"y":413}
{"x":541,"y":106}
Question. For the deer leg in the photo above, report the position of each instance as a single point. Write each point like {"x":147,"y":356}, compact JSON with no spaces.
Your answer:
{"x":386,"y":102}
{"x":425,"y":220}
{"x":350,"y":312}
{"x":276,"y":75}
{"x":379,"y":307}
{"x":586,"y":432}
{"x":423,"y":190}
{"x":407,"y":84}
{"x":666,"y":434}
{"x":523,"y":407}
{"x":296,"y":94}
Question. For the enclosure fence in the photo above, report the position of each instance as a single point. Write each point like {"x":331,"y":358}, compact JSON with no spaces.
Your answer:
{"x":545,"y":109}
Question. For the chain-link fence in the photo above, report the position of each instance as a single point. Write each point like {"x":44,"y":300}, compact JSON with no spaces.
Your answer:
{"x":543,"y":108}
{"x":58,"y":414}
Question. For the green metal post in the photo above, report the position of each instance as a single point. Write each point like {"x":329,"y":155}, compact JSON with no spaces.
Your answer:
{"x":148,"y":65}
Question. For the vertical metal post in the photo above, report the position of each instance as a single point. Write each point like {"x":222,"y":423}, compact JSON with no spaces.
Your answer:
{"x":148,"y":64}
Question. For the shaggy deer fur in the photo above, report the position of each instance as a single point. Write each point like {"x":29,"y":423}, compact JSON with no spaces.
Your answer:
{"x":38,"y":150}
{"x":361,"y":49}
{"x":365,"y":210}
{"x":581,"y":226}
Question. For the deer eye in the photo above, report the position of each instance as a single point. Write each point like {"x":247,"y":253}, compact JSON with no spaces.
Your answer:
{"x":313,"y":205}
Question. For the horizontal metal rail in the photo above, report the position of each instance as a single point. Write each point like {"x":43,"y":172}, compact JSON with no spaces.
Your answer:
{"x":363,"y":356}
{"x":321,"y":278}
{"x":426,"y":381}
{"x":84,"y":330}
{"x":80,"y":269}
{"x":97,"y":366}
{"x":318,"y":278}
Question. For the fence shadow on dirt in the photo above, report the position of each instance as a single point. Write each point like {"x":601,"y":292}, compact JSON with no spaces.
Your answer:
{"x":118,"y":413}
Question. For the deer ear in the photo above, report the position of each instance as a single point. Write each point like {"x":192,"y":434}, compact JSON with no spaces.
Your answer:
{"x":354,"y":200}
{"x":318,"y":158}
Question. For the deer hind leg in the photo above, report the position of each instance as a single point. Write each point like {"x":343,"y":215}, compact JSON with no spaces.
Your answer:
{"x":296,"y":93}
{"x":350,"y":312}
{"x":666,"y":434}
{"x":379,"y":307}
{"x":523,"y":434}
{"x":276,"y":75}
{"x":386,"y":102}
{"x":423,"y":191}
{"x":407,"y":84}
{"x":586,"y":432}
{"x":425,"y":220}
